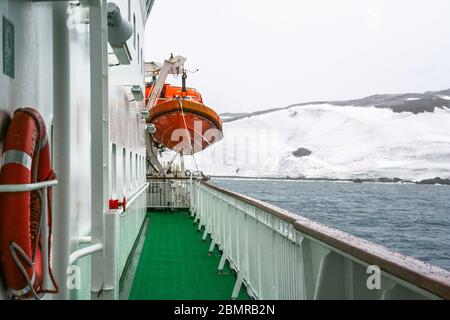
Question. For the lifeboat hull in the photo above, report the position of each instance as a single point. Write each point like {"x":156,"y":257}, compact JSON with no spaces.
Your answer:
{"x":185,"y":126}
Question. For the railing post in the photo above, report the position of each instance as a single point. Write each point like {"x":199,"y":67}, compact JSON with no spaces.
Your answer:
{"x":212,"y":247}
{"x":110,"y":290}
{"x":61,"y":126}
{"x":99,"y":139}
{"x":238,"y":285}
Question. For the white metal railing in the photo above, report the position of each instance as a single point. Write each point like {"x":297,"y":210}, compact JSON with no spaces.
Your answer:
{"x":137,"y":194}
{"x":86,"y":251}
{"x":5,"y":188}
{"x":122,"y":230}
{"x":168,"y":194}
{"x":130,"y":223}
{"x":280,"y":255}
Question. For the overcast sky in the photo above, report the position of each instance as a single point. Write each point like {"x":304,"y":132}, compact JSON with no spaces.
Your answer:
{"x":257,"y":54}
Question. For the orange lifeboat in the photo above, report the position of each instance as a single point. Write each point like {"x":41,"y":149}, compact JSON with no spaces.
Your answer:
{"x":182,"y":122}
{"x":170,"y":92}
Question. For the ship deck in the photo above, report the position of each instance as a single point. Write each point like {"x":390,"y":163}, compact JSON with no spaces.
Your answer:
{"x":175,"y":265}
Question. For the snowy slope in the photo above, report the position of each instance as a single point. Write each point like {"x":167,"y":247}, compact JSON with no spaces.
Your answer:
{"x":345,"y":142}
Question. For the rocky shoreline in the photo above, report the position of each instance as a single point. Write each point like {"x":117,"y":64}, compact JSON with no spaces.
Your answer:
{"x":434,"y":181}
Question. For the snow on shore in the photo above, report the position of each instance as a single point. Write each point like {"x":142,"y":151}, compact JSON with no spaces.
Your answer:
{"x":345,"y":143}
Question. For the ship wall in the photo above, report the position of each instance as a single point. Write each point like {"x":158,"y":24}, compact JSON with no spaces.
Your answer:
{"x":32,"y":85}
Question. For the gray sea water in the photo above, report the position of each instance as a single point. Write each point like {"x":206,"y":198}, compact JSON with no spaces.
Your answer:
{"x":408,"y":218}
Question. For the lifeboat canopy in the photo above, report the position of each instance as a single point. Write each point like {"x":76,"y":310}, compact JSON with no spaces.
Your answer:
{"x":182,"y":121}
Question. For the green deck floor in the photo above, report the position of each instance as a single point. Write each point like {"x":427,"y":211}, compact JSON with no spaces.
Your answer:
{"x":175,"y":264}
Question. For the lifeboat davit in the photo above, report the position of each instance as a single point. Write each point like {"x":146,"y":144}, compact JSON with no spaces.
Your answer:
{"x":182,"y":122}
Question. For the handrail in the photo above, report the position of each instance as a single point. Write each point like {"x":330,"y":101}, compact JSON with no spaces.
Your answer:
{"x":78,"y":254}
{"x":162,"y":178}
{"x":137,"y":194}
{"x":271,"y":209}
{"x":87,"y":239}
{"x":421,"y":274}
{"x":6,"y":188}
{"x":425,"y":276}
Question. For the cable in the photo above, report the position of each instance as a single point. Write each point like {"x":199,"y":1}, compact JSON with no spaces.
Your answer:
{"x":188,"y":133}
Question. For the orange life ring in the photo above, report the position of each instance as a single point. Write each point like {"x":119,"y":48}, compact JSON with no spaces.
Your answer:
{"x":26,"y":159}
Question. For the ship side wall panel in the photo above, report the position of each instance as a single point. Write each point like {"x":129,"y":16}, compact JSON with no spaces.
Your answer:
{"x":32,"y":85}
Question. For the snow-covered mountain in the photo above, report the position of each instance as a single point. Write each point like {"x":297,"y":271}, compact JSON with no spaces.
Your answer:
{"x":406,"y":102}
{"x":404,"y":136}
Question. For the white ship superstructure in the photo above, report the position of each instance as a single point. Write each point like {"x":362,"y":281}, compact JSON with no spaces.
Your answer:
{"x":61,"y":63}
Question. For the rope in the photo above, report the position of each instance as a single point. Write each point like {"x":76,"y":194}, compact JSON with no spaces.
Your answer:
{"x":190,"y":138}
{"x":15,"y":248}
{"x":188,"y":133}
{"x":52,"y":176}
{"x":35,"y":215}
{"x":195,"y":162}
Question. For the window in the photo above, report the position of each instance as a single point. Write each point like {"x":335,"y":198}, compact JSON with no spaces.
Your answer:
{"x":124,"y":170}
{"x":134,"y":31}
{"x":139,"y":49}
{"x":131,"y":170}
{"x":144,"y":168}
{"x":52,"y":139}
{"x":139,"y":168}
{"x":142,"y":62}
{"x":141,"y":171}
{"x":113,"y":171}
{"x":129,"y":10}
{"x":136,"y":178}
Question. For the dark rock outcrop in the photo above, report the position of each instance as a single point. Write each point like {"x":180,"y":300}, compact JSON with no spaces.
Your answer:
{"x":390,"y":180}
{"x":437,"y":180}
{"x":302,"y":152}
